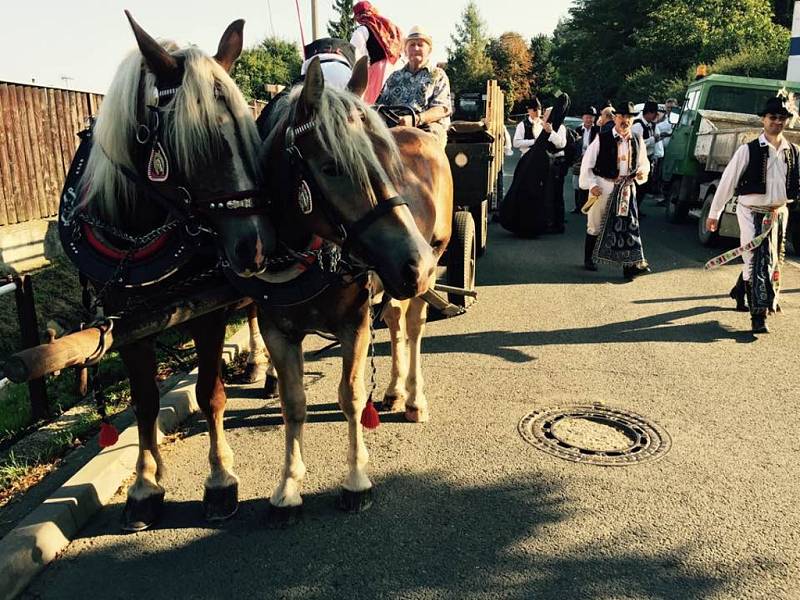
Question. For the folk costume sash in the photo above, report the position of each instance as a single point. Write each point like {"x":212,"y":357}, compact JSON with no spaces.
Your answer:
{"x":620,"y":240}
{"x":768,"y":247}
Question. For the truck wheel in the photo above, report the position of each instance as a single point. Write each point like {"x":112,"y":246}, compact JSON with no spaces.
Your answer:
{"x":677,"y":211}
{"x":706,"y":237}
{"x":462,"y":253}
{"x":480,"y":216}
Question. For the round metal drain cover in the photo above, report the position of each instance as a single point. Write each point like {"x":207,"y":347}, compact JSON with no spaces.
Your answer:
{"x":595,"y":434}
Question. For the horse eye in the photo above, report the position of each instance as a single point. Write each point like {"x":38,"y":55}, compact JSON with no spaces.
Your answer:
{"x":331,"y":169}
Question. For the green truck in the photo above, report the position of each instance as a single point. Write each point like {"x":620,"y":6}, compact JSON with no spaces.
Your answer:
{"x":718,"y":115}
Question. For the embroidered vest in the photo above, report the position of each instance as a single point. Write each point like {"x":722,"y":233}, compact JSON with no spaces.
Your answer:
{"x":754,"y":178}
{"x":607,"y":164}
{"x":647,"y":128}
{"x":528,"y":129}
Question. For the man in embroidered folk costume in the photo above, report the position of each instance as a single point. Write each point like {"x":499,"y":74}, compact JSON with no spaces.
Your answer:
{"x":645,"y":127}
{"x":614,"y":162}
{"x":534,"y":203}
{"x":587,"y":131}
{"x":764,"y":175}
{"x":422,"y":86}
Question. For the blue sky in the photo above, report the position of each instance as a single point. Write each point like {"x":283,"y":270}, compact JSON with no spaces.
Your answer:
{"x":85,"y":40}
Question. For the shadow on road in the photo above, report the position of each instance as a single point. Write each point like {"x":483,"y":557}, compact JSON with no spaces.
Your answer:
{"x":424,"y":537}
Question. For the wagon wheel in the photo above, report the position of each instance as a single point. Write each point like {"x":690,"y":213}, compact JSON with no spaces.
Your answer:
{"x":462,"y":255}
{"x":480,"y":217}
{"x":706,"y":237}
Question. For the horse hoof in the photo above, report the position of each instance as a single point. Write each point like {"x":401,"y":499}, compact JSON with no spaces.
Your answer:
{"x":281,"y":517}
{"x":138,"y":515}
{"x":355,"y":502}
{"x":393,"y":403}
{"x":221,"y":503}
{"x":271,"y":387}
{"x":254,"y":372}
{"x":417,"y":415}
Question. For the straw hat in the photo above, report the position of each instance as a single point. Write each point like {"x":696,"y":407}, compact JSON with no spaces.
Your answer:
{"x":418,"y":33}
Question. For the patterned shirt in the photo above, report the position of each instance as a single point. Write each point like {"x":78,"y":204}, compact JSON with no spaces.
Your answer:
{"x":422,"y":90}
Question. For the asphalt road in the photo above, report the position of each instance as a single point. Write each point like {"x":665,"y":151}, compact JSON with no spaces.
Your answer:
{"x":464,"y":507}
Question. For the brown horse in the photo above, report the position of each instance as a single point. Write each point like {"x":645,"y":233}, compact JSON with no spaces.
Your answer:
{"x":385,"y":198}
{"x":175,"y":148}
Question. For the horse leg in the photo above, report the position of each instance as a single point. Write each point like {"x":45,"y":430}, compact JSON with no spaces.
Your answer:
{"x":394,"y":316}
{"x":357,"y":488}
{"x":257,"y":359}
{"x":145,"y":495}
{"x":221,"y":497}
{"x":417,"y":404}
{"x":285,"y":504}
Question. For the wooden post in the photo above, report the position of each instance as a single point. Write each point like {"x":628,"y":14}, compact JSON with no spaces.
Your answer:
{"x":314,"y":24}
{"x":29,"y":331}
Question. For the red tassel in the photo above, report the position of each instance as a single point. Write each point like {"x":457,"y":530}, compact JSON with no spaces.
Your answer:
{"x":108,"y":435}
{"x":370,"y":418}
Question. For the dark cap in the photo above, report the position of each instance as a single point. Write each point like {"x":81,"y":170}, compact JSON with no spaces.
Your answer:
{"x":626,"y":109}
{"x":332,"y":46}
{"x":590,"y":110}
{"x":534,"y":104}
{"x":775,"y":106}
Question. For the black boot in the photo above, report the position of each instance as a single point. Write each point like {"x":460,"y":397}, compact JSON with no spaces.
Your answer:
{"x":631,"y":272}
{"x":588,"y":251}
{"x":759,"y":322}
{"x":739,"y":293}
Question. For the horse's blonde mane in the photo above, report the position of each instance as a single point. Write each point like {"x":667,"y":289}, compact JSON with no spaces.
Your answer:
{"x":347,"y":129}
{"x":193,"y":129}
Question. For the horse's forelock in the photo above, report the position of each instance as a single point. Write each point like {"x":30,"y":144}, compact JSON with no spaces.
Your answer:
{"x":348,"y":130}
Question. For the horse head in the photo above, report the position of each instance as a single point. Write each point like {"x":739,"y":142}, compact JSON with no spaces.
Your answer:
{"x":336,"y":167}
{"x":176,"y":141}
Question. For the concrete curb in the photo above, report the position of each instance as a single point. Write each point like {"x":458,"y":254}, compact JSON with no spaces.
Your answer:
{"x":46,"y":531}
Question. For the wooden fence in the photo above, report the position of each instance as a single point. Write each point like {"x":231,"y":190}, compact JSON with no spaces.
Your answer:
{"x":38,"y":127}
{"x":37,"y":142}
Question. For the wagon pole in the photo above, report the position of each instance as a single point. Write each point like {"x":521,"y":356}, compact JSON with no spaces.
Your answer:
{"x":74,"y":349}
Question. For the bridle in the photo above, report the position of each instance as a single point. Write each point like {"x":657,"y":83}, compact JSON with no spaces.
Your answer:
{"x":308,"y":189}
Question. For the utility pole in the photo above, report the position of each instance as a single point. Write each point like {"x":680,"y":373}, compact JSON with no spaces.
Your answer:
{"x":793,"y":68}
{"x":314,"y":25}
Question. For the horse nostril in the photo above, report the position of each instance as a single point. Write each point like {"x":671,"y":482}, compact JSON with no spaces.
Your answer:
{"x":411,"y":272}
{"x":246,"y":255}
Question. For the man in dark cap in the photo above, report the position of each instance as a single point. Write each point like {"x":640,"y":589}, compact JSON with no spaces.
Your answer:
{"x":587,"y":131}
{"x":645,"y":127}
{"x":764,"y":175}
{"x":612,"y":163}
{"x":337,"y":59}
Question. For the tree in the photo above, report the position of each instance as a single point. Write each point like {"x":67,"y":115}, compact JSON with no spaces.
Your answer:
{"x":468,"y":66}
{"x":783,"y":10}
{"x":345,"y":25}
{"x":543,"y":77}
{"x":273,"y":61}
{"x":511,"y":59}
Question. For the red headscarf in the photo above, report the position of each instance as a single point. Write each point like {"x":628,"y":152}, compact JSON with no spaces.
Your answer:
{"x":384,"y":31}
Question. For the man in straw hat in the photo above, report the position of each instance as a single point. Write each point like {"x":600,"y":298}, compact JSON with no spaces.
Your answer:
{"x":764,"y":175}
{"x":422,"y":86}
{"x":613,"y":162}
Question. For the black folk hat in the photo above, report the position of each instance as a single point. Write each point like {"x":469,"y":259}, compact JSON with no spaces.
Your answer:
{"x":331,"y":46}
{"x":534,"y":104}
{"x":650,"y":107}
{"x":590,"y":110}
{"x":775,"y":106}
{"x":626,"y":109}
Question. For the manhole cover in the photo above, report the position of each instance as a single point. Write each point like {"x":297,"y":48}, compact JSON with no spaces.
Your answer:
{"x":595,"y":434}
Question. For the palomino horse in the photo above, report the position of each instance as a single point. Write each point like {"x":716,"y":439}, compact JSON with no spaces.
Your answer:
{"x":337,"y":173}
{"x":175,"y":143}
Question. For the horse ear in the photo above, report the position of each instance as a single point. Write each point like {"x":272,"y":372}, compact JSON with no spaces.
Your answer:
{"x":313,"y":86}
{"x":360,"y":77}
{"x":230,"y":45}
{"x":161,"y":62}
